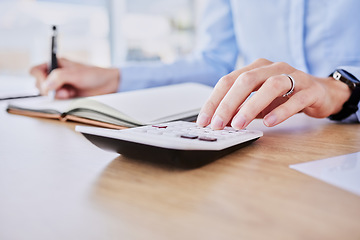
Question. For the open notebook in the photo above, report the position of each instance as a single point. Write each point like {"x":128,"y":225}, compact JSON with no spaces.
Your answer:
{"x":118,"y":110}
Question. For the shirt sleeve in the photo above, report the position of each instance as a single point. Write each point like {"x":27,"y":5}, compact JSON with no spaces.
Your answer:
{"x":215,"y":55}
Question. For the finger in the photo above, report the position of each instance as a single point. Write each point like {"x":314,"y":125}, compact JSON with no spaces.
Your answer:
{"x":303,"y":97}
{"x":62,"y":93}
{"x":278,"y":101}
{"x":240,"y":91}
{"x":221,"y":89}
{"x":272,"y":88}
{"x":67,"y":73}
{"x":40,"y":74}
{"x":65,"y":92}
{"x":58,"y":78}
{"x":294,"y":105}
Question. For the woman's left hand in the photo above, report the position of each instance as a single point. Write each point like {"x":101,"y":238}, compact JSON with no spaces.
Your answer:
{"x":229,"y":102}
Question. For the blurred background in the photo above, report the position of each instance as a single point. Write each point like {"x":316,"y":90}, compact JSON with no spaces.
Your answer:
{"x":100,"y":32}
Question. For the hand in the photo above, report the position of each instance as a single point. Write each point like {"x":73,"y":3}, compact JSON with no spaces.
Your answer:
{"x":73,"y":79}
{"x":229,"y":102}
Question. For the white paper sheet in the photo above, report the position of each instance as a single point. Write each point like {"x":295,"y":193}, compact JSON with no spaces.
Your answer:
{"x":14,"y":87}
{"x":342,"y":171}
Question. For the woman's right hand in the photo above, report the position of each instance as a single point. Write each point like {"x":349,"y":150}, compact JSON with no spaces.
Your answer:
{"x":72,"y":79}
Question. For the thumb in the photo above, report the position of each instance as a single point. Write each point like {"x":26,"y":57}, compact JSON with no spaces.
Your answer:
{"x":54,"y":81}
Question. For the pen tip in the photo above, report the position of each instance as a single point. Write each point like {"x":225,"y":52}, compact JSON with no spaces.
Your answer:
{"x":54,"y":27}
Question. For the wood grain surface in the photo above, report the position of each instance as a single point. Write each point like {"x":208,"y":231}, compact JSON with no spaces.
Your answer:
{"x":54,"y":184}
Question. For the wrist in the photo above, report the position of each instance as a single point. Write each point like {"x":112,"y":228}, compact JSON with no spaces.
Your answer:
{"x":105,"y":80}
{"x":114,"y":79}
{"x":339,"y":93}
{"x":350,"y":106}
{"x":110,"y":80}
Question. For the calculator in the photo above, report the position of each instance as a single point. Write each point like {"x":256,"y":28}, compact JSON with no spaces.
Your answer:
{"x":178,"y":143}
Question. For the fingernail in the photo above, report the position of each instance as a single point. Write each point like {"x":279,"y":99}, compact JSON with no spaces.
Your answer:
{"x":270,"y":120}
{"x":217,"y":123}
{"x":203,"y":119}
{"x":238,"y":122}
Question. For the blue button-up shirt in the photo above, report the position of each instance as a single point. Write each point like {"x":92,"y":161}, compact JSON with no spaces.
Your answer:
{"x":315,"y":36}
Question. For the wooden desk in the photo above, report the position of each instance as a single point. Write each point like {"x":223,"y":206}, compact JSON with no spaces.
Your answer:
{"x":56,"y":185}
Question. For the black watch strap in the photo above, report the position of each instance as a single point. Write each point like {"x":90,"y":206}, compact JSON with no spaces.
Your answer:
{"x":351,"y":105}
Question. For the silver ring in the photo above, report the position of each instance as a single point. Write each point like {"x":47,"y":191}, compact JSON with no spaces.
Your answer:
{"x":292,"y":85}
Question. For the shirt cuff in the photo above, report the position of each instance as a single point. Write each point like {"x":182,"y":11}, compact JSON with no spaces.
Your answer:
{"x":353,"y":70}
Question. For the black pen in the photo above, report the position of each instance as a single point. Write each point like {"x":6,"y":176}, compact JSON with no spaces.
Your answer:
{"x":53,"y":60}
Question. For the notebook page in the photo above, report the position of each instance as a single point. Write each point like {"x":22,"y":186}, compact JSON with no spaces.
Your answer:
{"x":41,"y":104}
{"x":151,"y":105}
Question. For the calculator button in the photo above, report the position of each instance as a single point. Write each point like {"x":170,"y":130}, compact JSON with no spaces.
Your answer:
{"x":159,"y":126}
{"x":207,"y":139}
{"x":189,"y":136}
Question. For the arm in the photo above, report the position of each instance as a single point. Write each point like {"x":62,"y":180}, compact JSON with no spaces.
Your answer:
{"x":215,"y":55}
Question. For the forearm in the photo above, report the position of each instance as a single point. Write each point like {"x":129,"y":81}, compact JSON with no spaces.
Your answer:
{"x":194,"y":69}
